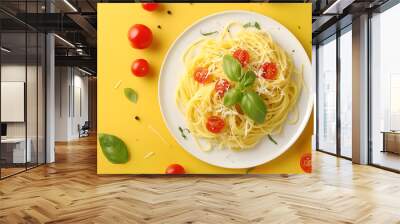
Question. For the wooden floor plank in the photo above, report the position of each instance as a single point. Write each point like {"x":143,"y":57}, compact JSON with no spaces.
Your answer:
{"x":70,"y":191}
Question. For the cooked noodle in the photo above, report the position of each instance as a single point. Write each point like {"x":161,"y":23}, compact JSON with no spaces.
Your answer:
{"x":200,"y":101}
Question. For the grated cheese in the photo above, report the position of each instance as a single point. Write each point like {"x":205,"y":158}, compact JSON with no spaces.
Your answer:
{"x":148,"y":155}
{"x":117,"y":84}
{"x":159,"y":135}
{"x":225,"y":111}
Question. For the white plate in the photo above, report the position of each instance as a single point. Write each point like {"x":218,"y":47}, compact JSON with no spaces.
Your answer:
{"x":173,"y":68}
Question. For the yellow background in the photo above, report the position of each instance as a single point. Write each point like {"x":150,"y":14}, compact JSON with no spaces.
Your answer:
{"x":116,"y":114}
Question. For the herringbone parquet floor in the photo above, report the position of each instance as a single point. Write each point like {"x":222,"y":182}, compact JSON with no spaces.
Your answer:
{"x":69,"y":191}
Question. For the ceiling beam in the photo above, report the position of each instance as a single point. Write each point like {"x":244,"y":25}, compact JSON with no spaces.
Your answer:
{"x":79,"y":61}
{"x":337,"y":7}
{"x":84,"y":24}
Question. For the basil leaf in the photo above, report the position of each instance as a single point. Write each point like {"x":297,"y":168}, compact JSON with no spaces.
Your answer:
{"x":232,"y":68}
{"x":131,"y":95}
{"x":253,"y":106}
{"x":257,"y":25}
{"x":114,"y":149}
{"x":248,"y":79}
{"x":232,"y":97}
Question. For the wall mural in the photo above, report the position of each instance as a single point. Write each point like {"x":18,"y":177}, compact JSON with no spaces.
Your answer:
{"x":204,"y":88}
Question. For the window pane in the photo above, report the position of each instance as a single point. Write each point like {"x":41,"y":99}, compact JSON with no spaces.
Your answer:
{"x":327,"y":96}
{"x":346,"y":94}
{"x":385,"y":84}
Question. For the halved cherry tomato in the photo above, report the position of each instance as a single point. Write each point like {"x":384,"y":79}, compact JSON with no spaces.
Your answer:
{"x":175,"y":169}
{"x":242,"y":56}
{"x":140,"y":67}
{"x":306,"y":162}
{"x":150,"y":6}
{"x":269,"y":70}
{"x":140,"y":36}
{"x":221,"y":86}
{"x":215,"y":124}
{"x":201,"y":75}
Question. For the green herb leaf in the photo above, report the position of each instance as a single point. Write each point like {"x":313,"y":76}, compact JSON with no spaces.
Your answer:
{"x":247,"y":25}
{"x":114,"y":149}
{"x":248,"y":79}
{"x":131,"y":95}
{"x":208,"y":33}
{"x":255,"y":24}
{"x":184,"y":132}
{"x":232,"y":68}
{"x":272,"y":140}
{"x":232,"y":97}
{"x":253,"y":106}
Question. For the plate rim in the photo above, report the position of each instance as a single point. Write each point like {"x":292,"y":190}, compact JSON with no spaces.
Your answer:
{"x":310,"y":102}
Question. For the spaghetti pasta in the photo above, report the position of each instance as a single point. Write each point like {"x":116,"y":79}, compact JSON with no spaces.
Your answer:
{"x":278,"y":83}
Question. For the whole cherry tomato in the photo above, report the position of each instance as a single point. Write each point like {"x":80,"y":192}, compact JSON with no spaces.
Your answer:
{"x":269,"y":71}
{"x":140,"y":36}
{"x":242,"y":56}
{"x":221,"y":86}
{"x":175,"y":169}
{"x":150,"y":6}
{"x":215,"y":124}
{"x":202,"y":76}
{"x":140,"y":67}
{"x":306,"y":162}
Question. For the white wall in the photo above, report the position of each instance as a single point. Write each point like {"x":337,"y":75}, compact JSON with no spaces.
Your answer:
{"x":81,"y":103}
{"x":12,"y":73}
{"x":33,"y":127}
{"x":62,"y":81}
{"x":16,"y":73}
{"x":71,"y":102}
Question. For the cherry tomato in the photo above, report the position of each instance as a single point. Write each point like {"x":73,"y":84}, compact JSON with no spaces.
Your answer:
{"x":201,"y":75}
{"x":242,"y":56}
{"x":140,"y":67}
{"x":150,"y":6}
{"x":221,"y":86}
{"x":269,"y":70}
{"x":306,"y":162}
{"x":140,"y":36}
{"x":215,"y":124}
{"x":175,"y":169}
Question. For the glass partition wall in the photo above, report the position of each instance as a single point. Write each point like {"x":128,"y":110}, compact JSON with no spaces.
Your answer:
{"x":22,"y":77}
{"x":334,"y":93}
